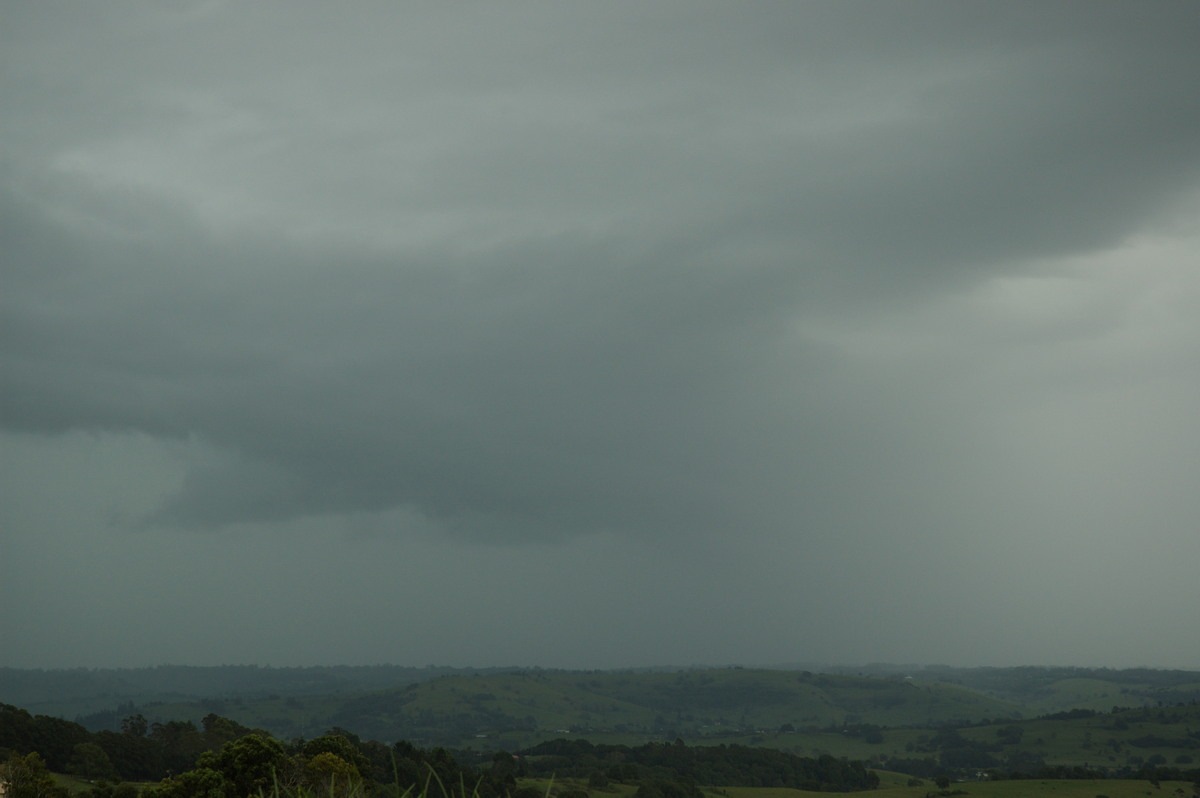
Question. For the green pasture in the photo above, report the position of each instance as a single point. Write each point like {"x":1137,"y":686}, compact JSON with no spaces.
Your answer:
{"x":553,"y":787}
{"x":892,"y":785}
{"x":75,"y":784}
{"x":1112,"y":788}
{"x":895,"y":785}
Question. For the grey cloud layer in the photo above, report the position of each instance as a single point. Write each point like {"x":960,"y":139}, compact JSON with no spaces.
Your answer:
{"x":537,"y":272}
{"x":492,"y":387}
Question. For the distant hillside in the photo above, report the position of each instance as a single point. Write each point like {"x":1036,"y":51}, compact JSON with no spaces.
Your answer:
{"x":524,"y":707}
{"x":79,"y":692}
{"x":923,"y":722}
{"x":513,"y":708}
{"x":1044,"y":690}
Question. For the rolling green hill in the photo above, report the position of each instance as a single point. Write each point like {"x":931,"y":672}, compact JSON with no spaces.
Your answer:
{"x":77,"y":692}
{"x":525,"y":707}
{"x":510,"y":709}
{"x":692,"y":704}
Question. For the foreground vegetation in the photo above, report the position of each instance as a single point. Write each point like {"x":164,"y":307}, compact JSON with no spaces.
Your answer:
{"x":891,"y":785}
{"x":188,"y":762}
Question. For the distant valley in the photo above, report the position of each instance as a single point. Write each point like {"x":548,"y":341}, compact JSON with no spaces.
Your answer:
{"x":511,"y":708}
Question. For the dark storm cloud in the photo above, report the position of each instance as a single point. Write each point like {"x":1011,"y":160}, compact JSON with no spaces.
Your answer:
{"x":535,"y":279}
{"x":497,"y":388}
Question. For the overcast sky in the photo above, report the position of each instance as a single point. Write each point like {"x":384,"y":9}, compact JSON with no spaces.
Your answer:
{"x":594,"y":335}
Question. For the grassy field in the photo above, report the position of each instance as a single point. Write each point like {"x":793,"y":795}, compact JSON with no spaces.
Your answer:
{"x":895,"y":785}
{"x":892,"y":785}
{"x":1126,"y":739}
{"x":72,"y":784}
{"x":75,"y":784}
{"x":995,"y":789}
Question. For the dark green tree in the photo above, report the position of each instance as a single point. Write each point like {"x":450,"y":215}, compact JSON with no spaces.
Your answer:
{"x":504,"y":767}
{"x":330,"y":776}
{"x":28,"y":777}
{"x":55,"y":739}
{"x":341,"y":747}
{"x":251,"y":764}
{"x":135,"y":725}
{"x":199,"y":783}
{"x":219,"y":730}
{"x":90,"y":761}
{"x":135,"y":758}
{"x":180,"y":743}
